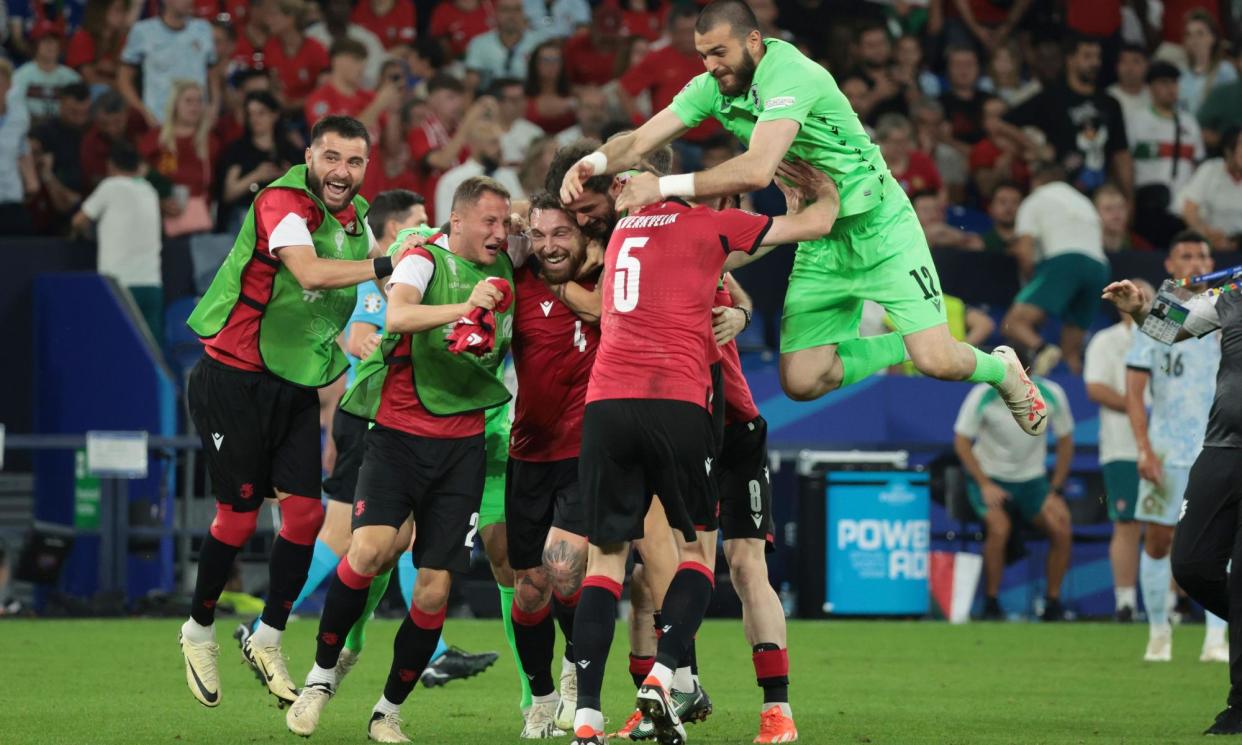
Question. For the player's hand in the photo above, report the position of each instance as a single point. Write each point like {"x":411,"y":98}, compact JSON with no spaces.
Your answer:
{"x":994,"y":496}
{"x":517,"y":224}
{"x":640,"y":190}
{"x":1127,"y":296}
{"x":485,"y":295}
{"x":727,"y":323}
{"x":370,"y":343}
{"x":812,"y":182}
{"x":575,"y":177}
{"x":410,"y":241}
{"x":1149,"y":466}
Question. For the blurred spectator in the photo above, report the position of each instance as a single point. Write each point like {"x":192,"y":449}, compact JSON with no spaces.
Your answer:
{"x":483,"y":140}
{"x":183,"y":150}
{"x":295,"y":60}
{"x":126,"y":212}
{"x":633,"y":51}
{"x":665,"y":71}
{"x":983,"y":24}
{"x":1002,"y":154}
{"x":639,"y":19}
{"x":455,"y":22}
{"x":1114,"y":211}
{"x":963,"y":101}
{"x":38,"y":82}
{"x":767,"y":12}
{"x":224,"y":40}
{"x":1211,"y":203}
{"x":58,"y":152}
{"x":394,"y":22}
{"x":1046,"y":63}
{"x":1081,"y":122}
{"x":908,"y":68}
{"x":932,"y":135}
{"x":858,"y":92}
{"x":1059,"y":247}
{"x":591,"y":112}
{"x":95,"y":49}
{"x":516,"y":132}
{"x":557,"y":18}
{"x":1166,"y":146}
{"x":261,"y":156}
{"x":930,"y":209}
{"x":591,"y":55}
{"x":336,"y":25}
{"x":17,"y":170}
{"x":166,"y":49}
{"x":915,"y":171}
{"x":1003,"y":209}
{"x":1009,"y":482}
{"x":548,"y":102}
{"x":249,"y":44}
{"x":232,"y":118}
{"x":343,"y":92}
{"x":422,"y":60}
{"x":535,"y":165}
{"x":109,"y":120}
{"x":1004,"y":78}
{"x":1130,"y":90}
{"x":1178,"y":12}
{"x":438,"y":143}
{"x":1206,"y":66}
{"x":1221,"y":110}
{"x":873,"y":53}
{"x":502,"y":52}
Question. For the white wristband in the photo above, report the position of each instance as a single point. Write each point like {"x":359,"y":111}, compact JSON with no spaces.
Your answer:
{"x":598,"y":162}
{"x":679,"y":185}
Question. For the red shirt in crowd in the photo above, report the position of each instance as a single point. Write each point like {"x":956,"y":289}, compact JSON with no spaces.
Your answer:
{"x":246,"y":56}
{"x":644,"y":23}
{"x":327,"y":99}
{"x":661,"y":271}
{"x":457,"y":27}
{"x":428,"y":136}
{"x":739,"y":403}
{"x":985,"y":153}
{"x":182,"y":166}
{"x":1096,"y":18}
{"x":665,"y":72}
{"x":985,"y":11}
{"x":237,"y":344}
{"x":553,"y":351}
{"x":81,"y":51}
{"x":585,"y":64}
{"x":549,"y":124}
{"x":1173,"y":25}
{"x":237,"y":10}
{"x":397,"y":26}
{"x":298,"y":74}
{"x":921,"y":174}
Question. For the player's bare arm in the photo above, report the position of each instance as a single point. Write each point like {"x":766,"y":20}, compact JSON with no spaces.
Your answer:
{"x":804,"y":221}
{"x":1133,"y":301}
{"x":407,"y":315}
{"x":314,"y":272}
{"x":623,"y":152}
{"x":728,"y":322}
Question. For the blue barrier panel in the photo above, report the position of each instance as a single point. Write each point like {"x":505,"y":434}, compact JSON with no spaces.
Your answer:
{"x":96,"y":367}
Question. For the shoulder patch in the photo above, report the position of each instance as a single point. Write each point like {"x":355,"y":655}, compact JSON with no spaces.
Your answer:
{"x":779,"y":102}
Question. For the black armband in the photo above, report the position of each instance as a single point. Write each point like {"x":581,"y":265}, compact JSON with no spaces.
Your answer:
{"x":383,"y":266}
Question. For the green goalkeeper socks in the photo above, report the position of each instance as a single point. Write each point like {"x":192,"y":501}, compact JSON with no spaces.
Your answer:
{"x":988,"y":369}
{"x":863,"y":356}
{"x":358,"y":634}
{"x":506,"y":614}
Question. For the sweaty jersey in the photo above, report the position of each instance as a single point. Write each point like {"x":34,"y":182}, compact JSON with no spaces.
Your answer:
{"x":661,"y":270}
{"x":1183,"y":383}
{"x":739,"y":404}
{"x":788,"y":85}
{"x":553,"y":351}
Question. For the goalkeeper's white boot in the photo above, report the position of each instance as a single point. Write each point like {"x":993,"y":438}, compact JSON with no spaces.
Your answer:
{"x":303,"y":716}
{"x":268,"y":664}
{"x":202,"y":670}
{"x":568,"y":705}
{"x":1022,"y":397}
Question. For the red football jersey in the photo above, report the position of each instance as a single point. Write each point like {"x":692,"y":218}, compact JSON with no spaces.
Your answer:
{"x":298,"y":73}
{"x":660,"y":275}
{"x":457,"y":27}
{"x":397,"y":26}
{"x":553,"y":351}
{"x":739,"y":404}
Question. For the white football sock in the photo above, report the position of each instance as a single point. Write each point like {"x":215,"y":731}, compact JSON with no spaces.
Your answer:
{"x":197,"y":633}
{"x":1154,"y":576}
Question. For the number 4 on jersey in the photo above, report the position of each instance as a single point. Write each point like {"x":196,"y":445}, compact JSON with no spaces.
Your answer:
{"x":625,"y":279}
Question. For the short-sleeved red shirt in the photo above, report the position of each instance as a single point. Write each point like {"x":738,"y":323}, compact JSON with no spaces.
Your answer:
{"x":458,"y":27}
{"x":299,"y":72}
{"x":398,"y":26}
{"x":665,"y":72}
{"x":586,"y":64}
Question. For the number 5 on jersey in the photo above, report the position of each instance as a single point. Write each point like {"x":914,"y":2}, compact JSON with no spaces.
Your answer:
{"x":625,"y":279}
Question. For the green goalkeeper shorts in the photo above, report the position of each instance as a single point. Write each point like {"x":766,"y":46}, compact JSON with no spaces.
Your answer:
{"x":496,"y":435}
{"x":879,"y":255}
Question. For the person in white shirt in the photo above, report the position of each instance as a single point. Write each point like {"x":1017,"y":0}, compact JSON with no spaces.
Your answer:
{"x":504,"y":51}
{"x":126,"y":212}
{"x":1104,"y":372}
{"x":1130,"y":90}
{"x":517,"y":133}
{"x":557,"y":18}
{"x":1211,"y":203}
{"x":173,"y":46}
{"x":1166,"y":145}
{"x":483,"y":139}
{"x":1059,"y":246}
{"x":1009,"y":481}
{"x":38,"y":81}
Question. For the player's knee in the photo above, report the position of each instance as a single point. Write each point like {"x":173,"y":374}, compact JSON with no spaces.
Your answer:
{"x":748,"y":573}
{"x":300,"y":519}
{"x":998,"y":524}
{"x":369,"y":557}
{"x":233,"y":528}
{"x":1158,"y":543}
{"x":566,"y":567}
{"x":803,"y":385}
{"x":533,"y":591}
{"x":431,"y":589}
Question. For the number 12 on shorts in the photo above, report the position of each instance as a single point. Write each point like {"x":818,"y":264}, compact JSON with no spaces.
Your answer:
{"x":625,"y":278}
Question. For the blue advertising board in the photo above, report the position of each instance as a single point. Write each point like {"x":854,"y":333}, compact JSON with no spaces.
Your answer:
{"x":879,"y":535}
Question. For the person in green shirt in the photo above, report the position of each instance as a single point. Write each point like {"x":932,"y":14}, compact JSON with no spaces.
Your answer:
{"x":785,"y":107}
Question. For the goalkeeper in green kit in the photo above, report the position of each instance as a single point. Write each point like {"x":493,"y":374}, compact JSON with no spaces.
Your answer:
{"x":784,"y":106}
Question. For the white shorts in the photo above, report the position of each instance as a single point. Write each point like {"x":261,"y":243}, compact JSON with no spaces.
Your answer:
{"x":1162,"y":504}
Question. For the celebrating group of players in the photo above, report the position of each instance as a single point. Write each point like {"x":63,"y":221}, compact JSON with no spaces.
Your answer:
{"x":634,"y":432}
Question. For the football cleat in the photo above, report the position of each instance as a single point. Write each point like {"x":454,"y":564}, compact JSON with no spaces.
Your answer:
{"x":1214,"y":653}
{"x":774,"y":726}
{"x":540,"y":722}
{"x":656,"y":705}
{"x":303,"y":716}
{"x":1022,"y":397}
{"x":692,"y":706}
{"x":588,"y":736}
{"x":202,"y":670}
{"x":637,"y":727}
{"x":1228,"y":722}
{"x":344,"y":664}
{"x":1159,"y":646}
{"x":568,"y":705}
{"x":456,"y":664}
{"x":268,"y":664}
{"x":386,"y":728}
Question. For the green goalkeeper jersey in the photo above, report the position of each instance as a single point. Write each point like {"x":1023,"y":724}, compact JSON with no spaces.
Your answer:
{"x":788,"y":85}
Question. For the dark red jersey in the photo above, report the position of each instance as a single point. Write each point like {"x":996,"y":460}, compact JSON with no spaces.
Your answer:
{"x":553,"y":351}
{"x":661,"y":270}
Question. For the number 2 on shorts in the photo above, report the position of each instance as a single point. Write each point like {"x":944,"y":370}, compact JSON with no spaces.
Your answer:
{"x":474,"y":528}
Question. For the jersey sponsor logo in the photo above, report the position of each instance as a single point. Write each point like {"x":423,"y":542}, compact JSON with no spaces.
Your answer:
{"x":218,"y":439}
{"x":312,"y":296}
{"x":546,"y":306}
{"x":779,"y":102}
{"x":371,"y":303}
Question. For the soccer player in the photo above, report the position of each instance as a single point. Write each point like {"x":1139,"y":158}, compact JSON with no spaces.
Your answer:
{"x":782,"y":104}
{"x":1182,"y":381}
{"x":425,"y":460}
{"x":269,"y":324}
{"x":553,"y":350}
{"x":647,"y":430}
{"x":1207,"y":532}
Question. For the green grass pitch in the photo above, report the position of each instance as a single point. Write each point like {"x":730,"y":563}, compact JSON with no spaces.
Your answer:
{"x":122,"y":681}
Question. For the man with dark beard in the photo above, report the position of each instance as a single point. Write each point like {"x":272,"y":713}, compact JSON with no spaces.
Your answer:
{"x":269,"y":324}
